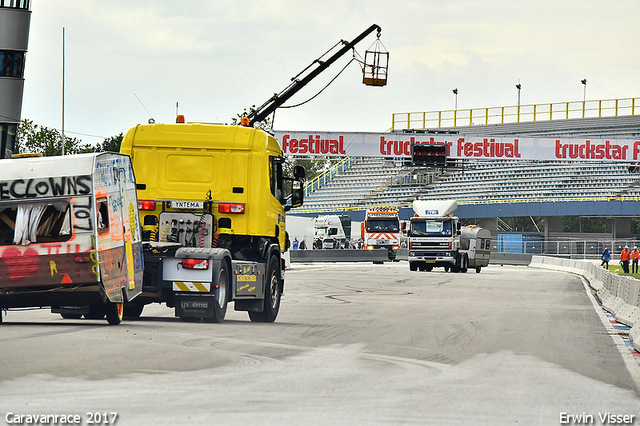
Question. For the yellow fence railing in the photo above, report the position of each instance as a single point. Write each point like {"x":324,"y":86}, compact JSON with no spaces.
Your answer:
{"x":515,"y":114}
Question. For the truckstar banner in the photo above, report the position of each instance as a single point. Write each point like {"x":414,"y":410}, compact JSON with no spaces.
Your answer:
{"x":479,"y":147}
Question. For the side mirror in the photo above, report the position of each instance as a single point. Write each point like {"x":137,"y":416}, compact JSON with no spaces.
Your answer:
{"x":297,"y":192}
{"x":299,"y":172}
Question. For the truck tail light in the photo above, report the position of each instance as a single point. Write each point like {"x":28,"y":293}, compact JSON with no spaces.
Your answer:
{"x":195,"y":263}
{"x":231,"y":208}
{"x":146,"y":204}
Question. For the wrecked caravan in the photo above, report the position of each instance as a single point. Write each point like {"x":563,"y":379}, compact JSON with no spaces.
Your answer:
{"x":69,"y":235}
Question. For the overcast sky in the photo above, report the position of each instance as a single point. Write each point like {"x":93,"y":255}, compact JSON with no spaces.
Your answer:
{"x":217,"y":57}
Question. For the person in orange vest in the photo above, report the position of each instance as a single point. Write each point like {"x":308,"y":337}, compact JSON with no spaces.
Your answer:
{"x":635,"y":255}
{"x":625,"y":257}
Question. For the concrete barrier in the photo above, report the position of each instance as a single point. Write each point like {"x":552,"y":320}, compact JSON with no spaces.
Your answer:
{"x":619,"y":295}
{"x":509,"y":259}
{"x":311,"y":256}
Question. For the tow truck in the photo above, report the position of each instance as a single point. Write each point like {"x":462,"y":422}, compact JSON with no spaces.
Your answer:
{"x":212,"y":200}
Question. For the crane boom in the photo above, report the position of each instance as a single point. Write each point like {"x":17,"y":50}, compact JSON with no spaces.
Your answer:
{"x":280,"y":98}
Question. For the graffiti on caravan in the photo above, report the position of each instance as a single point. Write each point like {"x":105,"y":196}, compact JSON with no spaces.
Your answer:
{"x":45,"y":187}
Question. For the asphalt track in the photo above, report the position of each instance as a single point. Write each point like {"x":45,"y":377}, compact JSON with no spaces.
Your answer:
{"x":354,"y":344}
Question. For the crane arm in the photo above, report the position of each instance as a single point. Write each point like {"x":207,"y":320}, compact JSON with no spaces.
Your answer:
{"x":278,"y":99}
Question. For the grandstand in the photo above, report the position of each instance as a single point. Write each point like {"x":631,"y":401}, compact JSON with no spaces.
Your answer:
{"x":377,"y":181}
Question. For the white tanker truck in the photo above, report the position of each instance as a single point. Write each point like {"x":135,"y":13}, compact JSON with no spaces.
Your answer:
{"x":436,"y":239}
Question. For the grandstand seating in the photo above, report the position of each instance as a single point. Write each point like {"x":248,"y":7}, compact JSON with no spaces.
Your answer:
{"x":372,"y":183}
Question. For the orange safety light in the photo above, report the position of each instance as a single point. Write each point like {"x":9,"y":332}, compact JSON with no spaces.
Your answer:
{"x":180,"y":119}
{"x":244,"y":121}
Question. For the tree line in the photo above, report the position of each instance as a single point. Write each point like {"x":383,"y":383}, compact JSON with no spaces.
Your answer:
{"x":36,"y":139}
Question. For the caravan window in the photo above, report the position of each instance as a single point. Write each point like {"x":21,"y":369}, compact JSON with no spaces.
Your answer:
{"x":103,"y":216}
{"x":37,"y":222}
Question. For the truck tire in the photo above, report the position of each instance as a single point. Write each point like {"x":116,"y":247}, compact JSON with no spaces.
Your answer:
{"x":455,"y":268}
{"x":413,"y":266}
{"x":478,"y":269}
{"x":272,"y":294}
{"x":71,"y":316}
{"x":222,"y":295}
{"x":464,"y":267}
{"x":114,"y":312}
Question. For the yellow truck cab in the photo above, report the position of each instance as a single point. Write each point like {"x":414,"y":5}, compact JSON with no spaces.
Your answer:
{"x":212,"y":201}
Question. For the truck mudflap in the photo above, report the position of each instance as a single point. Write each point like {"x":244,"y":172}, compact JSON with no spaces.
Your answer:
{"x":248,"y":279}
{"x":195,"y":305}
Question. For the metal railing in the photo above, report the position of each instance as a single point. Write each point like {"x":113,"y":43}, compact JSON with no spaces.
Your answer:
{"x":569,"y":247}
{"x":329,"y":174}
{"x":515,"y":114}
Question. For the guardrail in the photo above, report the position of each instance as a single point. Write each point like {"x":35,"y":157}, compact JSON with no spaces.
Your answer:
{"x":620,"y":295}
{"x":515,"y":114}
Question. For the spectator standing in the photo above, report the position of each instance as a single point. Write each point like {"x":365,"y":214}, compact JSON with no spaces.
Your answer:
{"x":625,"y":257}
{"x":303,"y":244}
{"x":635,"y":255}
{"x":295,"y":243}
{"x":606,"y":257}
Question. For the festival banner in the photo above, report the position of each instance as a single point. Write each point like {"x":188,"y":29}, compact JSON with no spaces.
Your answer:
{"x":479,"y":147}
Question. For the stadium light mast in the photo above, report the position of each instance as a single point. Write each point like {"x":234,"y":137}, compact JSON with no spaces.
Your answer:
{"x":455,"y":92}
{"x":584,"y":96}
{"x":63,"y":77}
{"x":518,"y":86}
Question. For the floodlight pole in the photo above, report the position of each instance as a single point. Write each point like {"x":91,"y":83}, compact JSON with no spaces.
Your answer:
{"x":63,"y":76}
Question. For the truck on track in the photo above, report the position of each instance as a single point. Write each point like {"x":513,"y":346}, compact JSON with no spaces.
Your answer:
{"x":331,"y":230}
{"x":437,"y":239}
{"x":70,"y":235}
{"x":212,"y":202}
{"x":381,"y":230}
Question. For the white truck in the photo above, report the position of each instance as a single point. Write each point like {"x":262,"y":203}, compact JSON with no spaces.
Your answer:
{"x":437,"y":239}
{"x":330,"y":230}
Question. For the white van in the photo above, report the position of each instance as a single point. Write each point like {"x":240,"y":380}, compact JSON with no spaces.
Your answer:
{"x":70,"y":235}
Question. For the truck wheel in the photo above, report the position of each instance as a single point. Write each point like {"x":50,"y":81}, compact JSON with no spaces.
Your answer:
{"x":114,"y":312}
{"x":220,"y":305}
{"x":446,"y":268}
{"x":478,"y":269}
{"x":413,"y":266}
{"x":133,"y":310}
{"x":455,"y":268}
{"x":465,"y":264}
{"x":272,"y":294}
